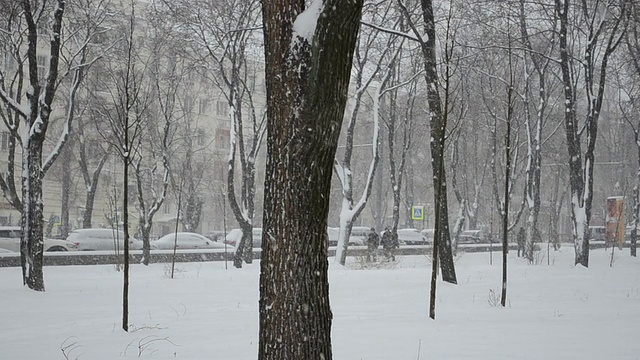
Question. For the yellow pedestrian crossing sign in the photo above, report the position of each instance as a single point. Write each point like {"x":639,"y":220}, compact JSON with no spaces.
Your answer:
{"x":417,"y":212}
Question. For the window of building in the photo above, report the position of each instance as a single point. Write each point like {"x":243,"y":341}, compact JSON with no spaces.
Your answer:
{"x":132,"y":191}
{"x":251,"y":83}
{"x":106,"y":178}
{"x":201,"y":138}
{"x":188,"y":104}
{"x":223,"y":138}
{"x":220,"y":170}
{"x":4,"y":140}
{"x":203,"y":106}
{"x":222,"y":108}
{"x":9,"y":61}
{"x":166,"y":207}
{"x":100,"y":36}
{"x":93,"y":151}
{"x":42,"y":66}
{"x":43,"y":27}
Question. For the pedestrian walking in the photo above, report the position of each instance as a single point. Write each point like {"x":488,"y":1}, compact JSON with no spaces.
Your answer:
{"x":521,"y":239}
{"x":373,"y":241}
{"x":389,"y":244}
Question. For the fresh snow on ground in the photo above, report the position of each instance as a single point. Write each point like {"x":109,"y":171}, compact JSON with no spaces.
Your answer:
{"x":555,"y":311}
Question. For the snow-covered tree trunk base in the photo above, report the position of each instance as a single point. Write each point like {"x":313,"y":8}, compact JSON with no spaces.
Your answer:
{"x":343,"y":237}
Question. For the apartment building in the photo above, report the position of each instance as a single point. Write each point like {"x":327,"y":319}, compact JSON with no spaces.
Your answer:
{"x":202,"y":131}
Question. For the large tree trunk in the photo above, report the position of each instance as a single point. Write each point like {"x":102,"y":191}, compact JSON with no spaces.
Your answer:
{"x":31,"y":245}
{"x":40,"y":99}
{"x":307,"y":83}
{"x":438,"y":125}
{"x":244,"y":247}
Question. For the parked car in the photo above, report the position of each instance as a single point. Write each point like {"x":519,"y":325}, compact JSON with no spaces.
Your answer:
{"x":188,"y":240}
{"x":413,"y":237}
{"x":10,"y":240}
{"x":358,"y":236}
{"x":597,"y":233}
{"x":429,"y":234}
{"x":234,"y":236}
{"x":473,"y":237}
{"x":102,"y":239}
{"x":215,"y":235}
{"x":410,"y":237}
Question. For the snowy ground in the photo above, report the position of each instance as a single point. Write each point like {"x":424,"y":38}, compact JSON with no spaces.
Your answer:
{"x":555,"y":311}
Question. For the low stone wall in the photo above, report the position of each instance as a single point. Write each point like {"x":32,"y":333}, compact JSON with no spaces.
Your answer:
{"x":165,"y":256}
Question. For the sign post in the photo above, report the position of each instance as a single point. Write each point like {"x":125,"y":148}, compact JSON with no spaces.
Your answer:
{"x":417,"y":213}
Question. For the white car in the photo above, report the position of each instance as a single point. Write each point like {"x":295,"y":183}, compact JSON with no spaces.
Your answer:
{"x":234,"y":236}
{"x":413,"y":237}
{"x":102,"y":239}
{"x":10,"y":240}
{"x":187,"y":240}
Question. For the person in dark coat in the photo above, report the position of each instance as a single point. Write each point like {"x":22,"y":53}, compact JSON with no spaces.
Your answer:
{"x":373,"y":241}
{"x":389,"y":244}
{"x":521,"y":239}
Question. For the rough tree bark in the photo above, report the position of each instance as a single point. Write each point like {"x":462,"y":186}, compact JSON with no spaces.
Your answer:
{"x":307,"y":70}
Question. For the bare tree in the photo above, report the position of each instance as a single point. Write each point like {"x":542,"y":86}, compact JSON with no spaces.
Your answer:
{"x":497,"y":75}
{"x":399,"y":144}
{"x":92,"y":156}
{"x":225,"y":38}
{"x":128,"y":97}
{"x":67,"y":52}
{"x":366,"y":69}
{"x":438,"y":125}
{"x":534,"y":124}
{"x":601,"y":29}
{"x":309,"y":53}
{"x":168,"y":75}
{"x":632,"y":42}
{"x":507,"y":178}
